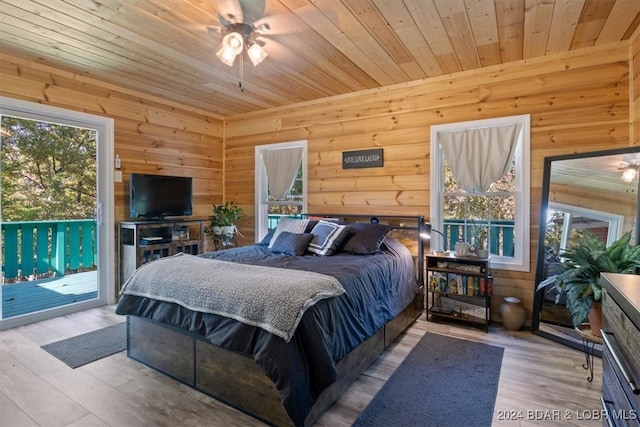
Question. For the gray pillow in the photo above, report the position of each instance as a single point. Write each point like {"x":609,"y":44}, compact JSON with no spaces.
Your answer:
{"x":365,"y":238}
{"x":291,"y":243}
{"x":267,"y":239}
{"x":292,"y":225}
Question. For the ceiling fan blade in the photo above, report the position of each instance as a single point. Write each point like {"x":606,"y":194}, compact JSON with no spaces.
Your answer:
{"x":252,"y":10}
{"x":280,"y":24}
{"x":214,"y":31}
{"x":631,"y":158}
{"x":229,"y":11}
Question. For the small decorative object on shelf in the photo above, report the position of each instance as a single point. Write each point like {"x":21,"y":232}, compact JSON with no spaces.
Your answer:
{"x":459,"y":289}
{"x":179,"y":232}
{"x":512,"y":313}
{"x":462,"y":249}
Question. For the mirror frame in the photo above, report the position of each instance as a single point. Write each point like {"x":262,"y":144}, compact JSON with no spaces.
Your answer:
{"x":544,"y":205}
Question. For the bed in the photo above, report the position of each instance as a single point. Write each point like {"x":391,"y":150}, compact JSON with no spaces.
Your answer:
{"x":252,"y":345}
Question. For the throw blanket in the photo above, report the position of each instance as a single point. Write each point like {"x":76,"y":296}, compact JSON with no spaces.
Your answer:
{"x":273,"y":299}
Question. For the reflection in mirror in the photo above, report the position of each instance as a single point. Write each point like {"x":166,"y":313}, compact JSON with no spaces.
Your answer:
{"x":595,"y":191}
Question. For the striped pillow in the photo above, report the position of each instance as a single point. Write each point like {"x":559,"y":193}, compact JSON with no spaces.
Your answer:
{"x":295,"y":226}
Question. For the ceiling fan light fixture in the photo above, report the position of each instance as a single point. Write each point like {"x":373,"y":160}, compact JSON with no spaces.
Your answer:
{"x":234,"y":42}
{"x":232,"y":45}
{"x":239,"y":36}
{"x":629,"y":175}
{"x":227,"y":56}
{"x":257,"y":54}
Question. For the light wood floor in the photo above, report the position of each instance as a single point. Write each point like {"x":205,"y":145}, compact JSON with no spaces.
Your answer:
{"x":539,"y":379}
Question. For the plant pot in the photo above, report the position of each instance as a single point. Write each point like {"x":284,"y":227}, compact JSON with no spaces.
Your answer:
{"x":595,"y":318}
{"x":512,"y":313}
{"x":224,"y":235}
{"x":483,"y":253}
{"x":226,"y":231}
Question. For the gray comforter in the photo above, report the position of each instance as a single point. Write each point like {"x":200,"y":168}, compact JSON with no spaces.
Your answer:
{"x":273,"y":299}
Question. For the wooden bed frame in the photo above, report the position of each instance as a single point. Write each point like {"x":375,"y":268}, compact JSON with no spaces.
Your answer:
{"x":236,"y":379}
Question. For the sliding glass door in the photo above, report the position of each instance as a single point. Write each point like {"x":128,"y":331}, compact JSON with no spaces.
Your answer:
{"x":53,"y":212}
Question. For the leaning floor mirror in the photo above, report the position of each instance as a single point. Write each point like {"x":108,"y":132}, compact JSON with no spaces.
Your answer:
{"x":595,"y":192}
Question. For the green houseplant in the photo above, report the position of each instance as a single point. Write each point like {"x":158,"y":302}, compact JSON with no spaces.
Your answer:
{"x":222,"y":222}
{"x":582,"y":264}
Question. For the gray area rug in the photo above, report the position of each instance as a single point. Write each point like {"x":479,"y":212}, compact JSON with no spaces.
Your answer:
{"x":89,"y":347}
{"x":444,"y":381}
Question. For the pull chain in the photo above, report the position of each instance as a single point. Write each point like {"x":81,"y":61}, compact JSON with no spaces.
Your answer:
{"x":241,"y":84}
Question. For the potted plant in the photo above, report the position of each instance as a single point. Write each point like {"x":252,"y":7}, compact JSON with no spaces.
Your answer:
{"x":480,"y":240}
{"x":580,"y":279}
{"x":222,"y":223}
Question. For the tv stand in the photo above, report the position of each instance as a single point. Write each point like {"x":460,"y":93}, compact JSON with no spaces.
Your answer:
{"x":144,"y":241}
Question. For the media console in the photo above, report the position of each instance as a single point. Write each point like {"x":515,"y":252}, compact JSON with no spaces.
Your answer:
{"x":144,"y":241}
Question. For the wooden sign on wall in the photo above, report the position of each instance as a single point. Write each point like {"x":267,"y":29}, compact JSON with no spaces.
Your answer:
{"x":362,"y":159}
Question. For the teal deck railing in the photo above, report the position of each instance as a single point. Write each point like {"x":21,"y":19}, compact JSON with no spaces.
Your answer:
{"x":501,"y":233}
{"x":52,"y":248}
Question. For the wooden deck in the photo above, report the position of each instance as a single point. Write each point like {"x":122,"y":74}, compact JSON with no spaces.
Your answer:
{"x":29,"y":297}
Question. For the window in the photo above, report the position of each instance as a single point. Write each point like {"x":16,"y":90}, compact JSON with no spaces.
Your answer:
{"x":567,"y":223}
{"x":287,"y":196}
{"x":496,"y":218}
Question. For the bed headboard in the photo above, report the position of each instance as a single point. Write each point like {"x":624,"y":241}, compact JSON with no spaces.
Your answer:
{"x":405,"y":229}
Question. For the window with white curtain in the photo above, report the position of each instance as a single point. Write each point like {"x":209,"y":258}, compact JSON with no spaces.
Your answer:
{"x":480,"y":180}
{"x":281,"y":184}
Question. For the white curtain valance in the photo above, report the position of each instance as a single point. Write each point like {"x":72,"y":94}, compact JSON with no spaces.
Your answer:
{"x":282,"y":166}
{"x":479,"y":157}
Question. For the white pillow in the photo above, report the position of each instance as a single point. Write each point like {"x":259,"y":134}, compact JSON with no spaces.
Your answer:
{"x":295,"y":226}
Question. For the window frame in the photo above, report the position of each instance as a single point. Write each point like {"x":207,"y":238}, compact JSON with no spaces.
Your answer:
{"x":522,"y":223}
{"x":261,"y":191}
{"x":614,"y":221}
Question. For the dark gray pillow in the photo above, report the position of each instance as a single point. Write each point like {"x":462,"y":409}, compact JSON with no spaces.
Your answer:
{"x":291,"y":243}
{"x":365,"y":238}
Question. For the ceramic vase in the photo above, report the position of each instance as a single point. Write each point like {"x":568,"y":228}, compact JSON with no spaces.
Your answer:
{"x":512,"y":313}
{"x":462,"y":249}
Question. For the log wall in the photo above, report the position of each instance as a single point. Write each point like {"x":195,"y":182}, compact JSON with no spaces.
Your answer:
{"x":151,"y":135}
{"x":577,"y":102}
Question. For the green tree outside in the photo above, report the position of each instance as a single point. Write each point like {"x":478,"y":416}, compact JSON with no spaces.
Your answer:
{"x":48,"y":171}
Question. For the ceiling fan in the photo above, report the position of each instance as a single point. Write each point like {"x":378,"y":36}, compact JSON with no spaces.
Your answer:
{"x":240,"y":31}
{"x":630,"y":166}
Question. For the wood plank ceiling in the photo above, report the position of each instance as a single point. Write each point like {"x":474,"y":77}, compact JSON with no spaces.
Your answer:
{"x":317,"y":48}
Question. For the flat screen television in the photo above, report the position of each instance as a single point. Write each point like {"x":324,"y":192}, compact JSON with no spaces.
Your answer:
{"x":160,"y":196}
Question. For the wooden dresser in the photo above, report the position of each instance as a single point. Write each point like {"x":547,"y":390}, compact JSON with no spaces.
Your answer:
{"x":621,"y":349}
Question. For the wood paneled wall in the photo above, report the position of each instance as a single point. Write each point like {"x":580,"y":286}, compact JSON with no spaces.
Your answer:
{"x":577,"y":102}
{"x":151,"y":135}
{"x":634,"y":93}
